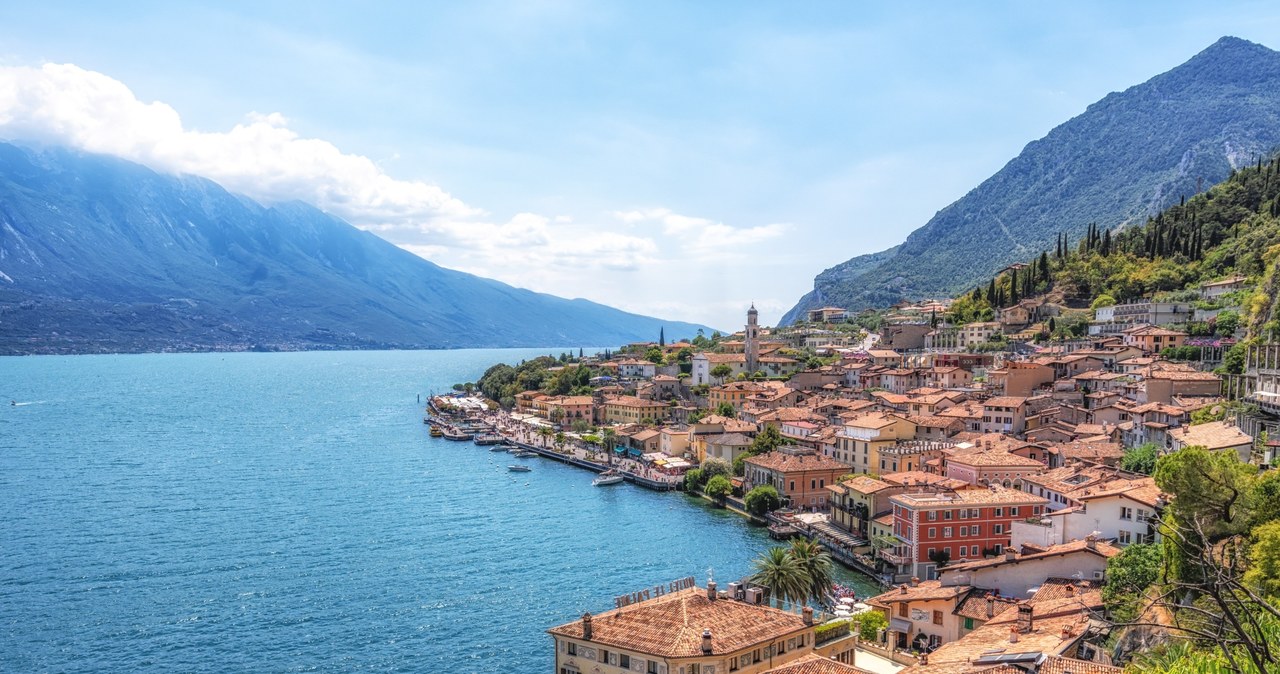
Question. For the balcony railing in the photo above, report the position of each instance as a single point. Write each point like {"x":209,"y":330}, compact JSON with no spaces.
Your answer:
{"x":893,"y":558}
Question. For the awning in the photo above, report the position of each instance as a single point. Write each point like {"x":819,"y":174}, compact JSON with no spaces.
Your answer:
{"x":899,"y":625}
{"x":620,"y":450}
{"x":634,"y":452}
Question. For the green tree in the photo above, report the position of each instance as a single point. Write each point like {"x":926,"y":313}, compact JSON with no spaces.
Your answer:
{"x":762,"y":499}
{"x":1264,"y":557}
{"x":718,"y":488}
{"x":608,"y":437}
{"x":721,"y":371}
{"x":1103,"y":300}
{"x":726,"y":410}
{"x":815,"y":563}
{"x":767,"y":440}
{"x":1129,"y":575}
{"x":714,"y":467}
{"x":1140,"y":459}
{"x":693,"y":480}
{"x":580,"y":426}
{"x":869,"y":625}
{"x":777,"y":570}
{"x":654,"y":355}
{"x":1211,"y":488}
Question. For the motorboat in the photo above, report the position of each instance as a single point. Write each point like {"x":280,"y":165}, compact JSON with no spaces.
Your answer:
{"x":436,"y":432}
{"x":488,"y":438}
{"x":607,"y":478}
{"x":524,"y":454}
{"x":519,"y":469}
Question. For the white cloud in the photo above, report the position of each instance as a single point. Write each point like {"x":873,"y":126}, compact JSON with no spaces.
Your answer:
{"x":652,"y":260}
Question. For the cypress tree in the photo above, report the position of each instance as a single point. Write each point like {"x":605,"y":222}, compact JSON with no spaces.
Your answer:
{"x":1013,"y":287}
{"x":1106,"y":243}
{"x":1044,"y":266}
{"x":991,"y":293}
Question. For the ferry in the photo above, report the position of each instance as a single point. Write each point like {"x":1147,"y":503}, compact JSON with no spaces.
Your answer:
{"x":436,"y":432}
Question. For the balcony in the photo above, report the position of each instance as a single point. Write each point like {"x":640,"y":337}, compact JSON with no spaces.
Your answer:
{"x":893,"y":558}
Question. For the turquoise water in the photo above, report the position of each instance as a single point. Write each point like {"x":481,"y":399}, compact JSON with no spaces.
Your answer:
{"x":289,"y":512}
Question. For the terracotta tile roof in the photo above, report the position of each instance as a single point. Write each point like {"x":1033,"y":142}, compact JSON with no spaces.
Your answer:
{"x":865,"y":484}
{"x":885,"y":519}
{"x":995,"y":458}
{"x":1100,"y":548}
{"x":1140,"y":489}
{"x":932,"y":421}
{"x":734,"y":439}
{"x":671,"y":625}
{"x":632,"y":401}
{"x":1089,"y":449}
{"x":1172,"y":375}
{"x":927,"y":590}
{"x":975,"y":497}
{"x":872,"y":420}
{"x":983,"y":605}
{"x":1005,"y":401}
{"x":816,"y":664}
{"x":1059,"y":665}
{"x":920,"y":478}
{"x":782,"y":462}
{"x":1213,"y":435}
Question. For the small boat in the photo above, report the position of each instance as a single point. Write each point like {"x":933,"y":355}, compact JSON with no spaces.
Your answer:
{"x":607,"y":478}
{"x":498,"y":448}
{"x":436,"y":432}
{"x":514,"y":449}
{"x":524,"y":454}
{"x":488,"y":438}
{"x":519,"y":469}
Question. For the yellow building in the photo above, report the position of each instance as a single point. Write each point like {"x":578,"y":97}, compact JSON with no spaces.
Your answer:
{"x":630,"y":410}
{"x":685,"y":630}
{"x":860,"y":440}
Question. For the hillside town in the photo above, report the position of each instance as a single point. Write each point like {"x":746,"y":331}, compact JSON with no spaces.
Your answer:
{"x":986,"y":490}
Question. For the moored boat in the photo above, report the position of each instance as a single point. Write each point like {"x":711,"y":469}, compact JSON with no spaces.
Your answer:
{"x":607,"y":478}
{"x":436,"y":432}
{"x":488,"y":438}
{"x":519,"y":469}
{"x":524,"y":454}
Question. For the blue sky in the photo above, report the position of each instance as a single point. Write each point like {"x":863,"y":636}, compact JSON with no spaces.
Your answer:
{"x":675,"y":159}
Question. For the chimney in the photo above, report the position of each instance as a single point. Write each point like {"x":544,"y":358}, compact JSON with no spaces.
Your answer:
{"x":915,"y":582}
{"x":706,"y":642}
{"x":1025,"y":621}
{"x":902,"y":589}
{"x":1066,"y":631}
{"x":711,"y":590}
{"x":1010,"y":554}
{"x":808,"y":615}
{"x":991,"y":608}
{"x":586,"y":626}
{"x":1071,"y":590}
{"x":1013,"y":635}
{"x":1091,"y":542}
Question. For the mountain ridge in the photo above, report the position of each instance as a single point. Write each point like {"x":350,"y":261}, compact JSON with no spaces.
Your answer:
{"x":1124,"y":158}
{"x":101,"y":254}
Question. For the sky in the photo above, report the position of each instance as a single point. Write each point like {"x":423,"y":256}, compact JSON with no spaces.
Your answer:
{"x":676,"y":159}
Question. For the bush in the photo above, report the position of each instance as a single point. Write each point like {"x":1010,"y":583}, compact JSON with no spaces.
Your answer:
{"x":715,"y":467}
{"x":693,"y":480}
{"x":762,"y":499}
{"x":870,"y":623}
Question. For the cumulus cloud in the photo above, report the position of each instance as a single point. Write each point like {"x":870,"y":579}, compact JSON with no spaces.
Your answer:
{"x":263,"y":158}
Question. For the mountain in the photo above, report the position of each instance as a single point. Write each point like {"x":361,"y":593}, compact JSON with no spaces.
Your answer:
{"x":1125,"y":158}
{"x":98,"y":254}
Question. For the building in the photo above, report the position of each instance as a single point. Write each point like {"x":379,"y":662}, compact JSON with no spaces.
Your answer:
{"x":1213,"y":289}
{"x":800,"y":475}
{"x":682,"y":631}
{"x":1021,"y":573}
{"x":828,"y":315}
{"x":858,"y":500}
{"x":631,"y":410}
{"x":1113,"y":319}
{"x":726,"y":446}
{"x":859,"y":440}
{"x":1153,"y":339}
{"x":751,"y":341}
{"x":1215,"y":436}
{"x":1004,"y":414}
{"x":953,"y":526}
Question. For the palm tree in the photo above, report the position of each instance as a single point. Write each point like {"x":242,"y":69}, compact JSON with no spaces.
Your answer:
{"x":545,"y":432}
{"x":559,"y":441}
{"x":778,"y":570}
{"x":814,"y":561}
{"x":607,"y":437}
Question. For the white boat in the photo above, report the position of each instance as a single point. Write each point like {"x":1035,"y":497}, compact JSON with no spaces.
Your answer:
{"x":519,"y":469}
{"x":607,"y":478}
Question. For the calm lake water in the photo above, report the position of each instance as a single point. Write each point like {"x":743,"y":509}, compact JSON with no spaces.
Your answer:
{"x":289,"y":512}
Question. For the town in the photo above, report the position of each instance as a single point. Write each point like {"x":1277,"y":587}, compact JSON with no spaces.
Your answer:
{"x":984,"y":475}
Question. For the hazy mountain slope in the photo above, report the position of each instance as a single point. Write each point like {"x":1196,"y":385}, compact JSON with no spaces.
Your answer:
{"x":100,"y":254}
{"x":1126,"y":157}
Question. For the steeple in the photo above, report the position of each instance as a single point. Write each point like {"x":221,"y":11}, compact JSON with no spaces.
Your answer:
{"x":751,"y":344}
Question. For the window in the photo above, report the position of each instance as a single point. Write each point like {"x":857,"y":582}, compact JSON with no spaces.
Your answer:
{"x":937,"y":617}
{"x":999,"y":548}
{"x":1142,"y":515}
{"x":653,"y":666}
{"x":624,"y":661}
{"x":974,"y":513}
{"x":946,"y":532}
{"x":968,"y":623}
{"x":932,"y":532}
{"x":573,"y":648}
{"x":902,"y":610}
{"x":976,"y":530}
{"x":694,"y":668}
{"x":1126,"y":513}
{"x":999,"y":512}
{"x":997,"y":529}
{"x":931,"y":552}
{"x":1013,"y":512}
{"x":946,"y":515}
{"x":964,"y":531}
{"x":932,"y":516}
{"x":604,"y":655}
{"x":1125,"y":537}
{"x":973,"y":551}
